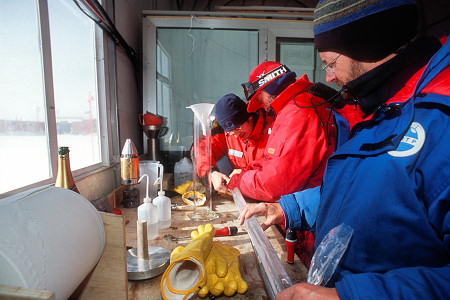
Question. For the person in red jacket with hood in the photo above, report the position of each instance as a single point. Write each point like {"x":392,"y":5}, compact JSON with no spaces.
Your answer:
{"x":302,"y":139}
{"x":243,"y":139}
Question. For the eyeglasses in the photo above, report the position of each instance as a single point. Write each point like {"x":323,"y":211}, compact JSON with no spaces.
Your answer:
{"x":329,"y":68}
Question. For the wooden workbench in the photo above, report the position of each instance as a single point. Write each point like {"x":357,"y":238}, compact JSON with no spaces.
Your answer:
{"x":182,"y":226}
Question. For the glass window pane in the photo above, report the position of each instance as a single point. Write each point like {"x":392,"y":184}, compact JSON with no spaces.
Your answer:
{"x":298,"y":54}
{"x":24,"y":150}
{"x":301,"y":57}
{"x":74,"y":75}
{"x":198,"y":65}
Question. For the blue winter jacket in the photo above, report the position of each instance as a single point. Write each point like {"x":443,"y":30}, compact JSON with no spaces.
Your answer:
{"x":390,"y":182}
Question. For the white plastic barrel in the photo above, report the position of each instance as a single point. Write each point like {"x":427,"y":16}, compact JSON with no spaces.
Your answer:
{"x":50,"y":239}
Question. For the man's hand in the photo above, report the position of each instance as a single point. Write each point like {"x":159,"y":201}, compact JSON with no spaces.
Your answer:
{"x":219,"y":182}
{"x":235,"y":171}
{"x":306,"y":291}
{"x":273,"y":212}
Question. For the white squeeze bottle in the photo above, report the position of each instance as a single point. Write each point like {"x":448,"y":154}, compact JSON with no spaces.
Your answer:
{"x":163,"y":203}
{"x":148,"y":212}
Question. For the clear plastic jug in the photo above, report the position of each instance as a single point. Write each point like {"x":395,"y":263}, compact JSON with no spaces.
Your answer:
{"x":182,"y":171}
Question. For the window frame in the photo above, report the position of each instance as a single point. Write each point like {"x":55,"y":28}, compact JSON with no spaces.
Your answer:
{"x":106,"y":90}
{"x":268,"y":31}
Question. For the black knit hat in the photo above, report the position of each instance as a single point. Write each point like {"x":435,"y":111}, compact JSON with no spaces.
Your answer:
{"x":367,"y":30}
{"x":231,"y":112}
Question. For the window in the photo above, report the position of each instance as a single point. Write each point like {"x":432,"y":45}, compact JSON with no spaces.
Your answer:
{"x":49,"y":92}
{"x":72,"y":37}
{"x":198,"y":65}
{"x":301,"y":57}
{"x":164,"y":86}
{"x":298,"y":55}
{"x":201,"y":59}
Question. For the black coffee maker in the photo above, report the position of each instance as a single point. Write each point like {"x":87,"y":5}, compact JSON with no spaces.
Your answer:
{"x":154,"y":133}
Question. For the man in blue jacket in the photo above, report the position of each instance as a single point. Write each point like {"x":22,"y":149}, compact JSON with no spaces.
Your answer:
{"x":389,"y":178}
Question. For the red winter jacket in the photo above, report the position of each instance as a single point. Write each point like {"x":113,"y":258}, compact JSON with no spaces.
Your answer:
{"x":240,"y":151}
{"x":301,"y":141}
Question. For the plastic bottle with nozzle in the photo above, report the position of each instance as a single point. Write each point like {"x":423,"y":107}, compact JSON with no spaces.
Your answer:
{"x":163,"y":203}
{"x":148,"y":212}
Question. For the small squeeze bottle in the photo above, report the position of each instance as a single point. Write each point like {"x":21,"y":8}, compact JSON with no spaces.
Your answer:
{"x":163,"y":203}
{"x":148,"y":212}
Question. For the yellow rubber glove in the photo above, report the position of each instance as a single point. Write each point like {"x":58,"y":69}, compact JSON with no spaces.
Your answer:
{"x":222,"y":272}
{"x":190,"y":186}
{"x":201,"y":229}
{"x":222,"y":268}
{"x":183,"y":188}
{"x":186,"y":273}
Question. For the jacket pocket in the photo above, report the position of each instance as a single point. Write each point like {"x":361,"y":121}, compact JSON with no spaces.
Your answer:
{"x":274,"y":148}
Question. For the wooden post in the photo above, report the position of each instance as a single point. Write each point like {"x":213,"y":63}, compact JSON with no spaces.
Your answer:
{"x":142,"y":241}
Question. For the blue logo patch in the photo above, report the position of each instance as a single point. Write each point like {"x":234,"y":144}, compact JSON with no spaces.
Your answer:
{"x":411,"y":143}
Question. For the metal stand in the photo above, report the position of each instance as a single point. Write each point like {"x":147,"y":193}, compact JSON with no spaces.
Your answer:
{"x":203,"y":214}
{"x":144,"y":262}
{"x":154,"y":133}
{"x":140,"y":269}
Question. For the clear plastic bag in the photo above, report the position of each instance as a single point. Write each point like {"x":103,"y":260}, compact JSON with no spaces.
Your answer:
{"x":328,"y":254}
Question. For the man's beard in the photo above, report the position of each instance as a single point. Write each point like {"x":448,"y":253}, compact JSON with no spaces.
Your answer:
{"x":356,"y":70}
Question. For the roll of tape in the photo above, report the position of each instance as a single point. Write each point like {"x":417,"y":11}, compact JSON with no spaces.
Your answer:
{"x":50,"y":239}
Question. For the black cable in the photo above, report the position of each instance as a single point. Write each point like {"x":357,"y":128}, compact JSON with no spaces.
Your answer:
{"x":342,"y":90}
{"x":328,"y":122}
{"x":130,"y":51}
{"x":314,"y":106}
{"x":93,"y":8}
{"x":105,"y":24}
{"x":317,"y":113}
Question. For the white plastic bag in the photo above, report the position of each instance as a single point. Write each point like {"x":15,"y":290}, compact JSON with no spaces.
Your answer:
{"x":328,"y":254}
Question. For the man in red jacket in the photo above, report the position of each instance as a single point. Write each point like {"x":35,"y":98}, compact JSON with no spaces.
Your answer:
{"x":302,"y":135}
{"x":243,"y":140}
{"x":302,"y":139}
